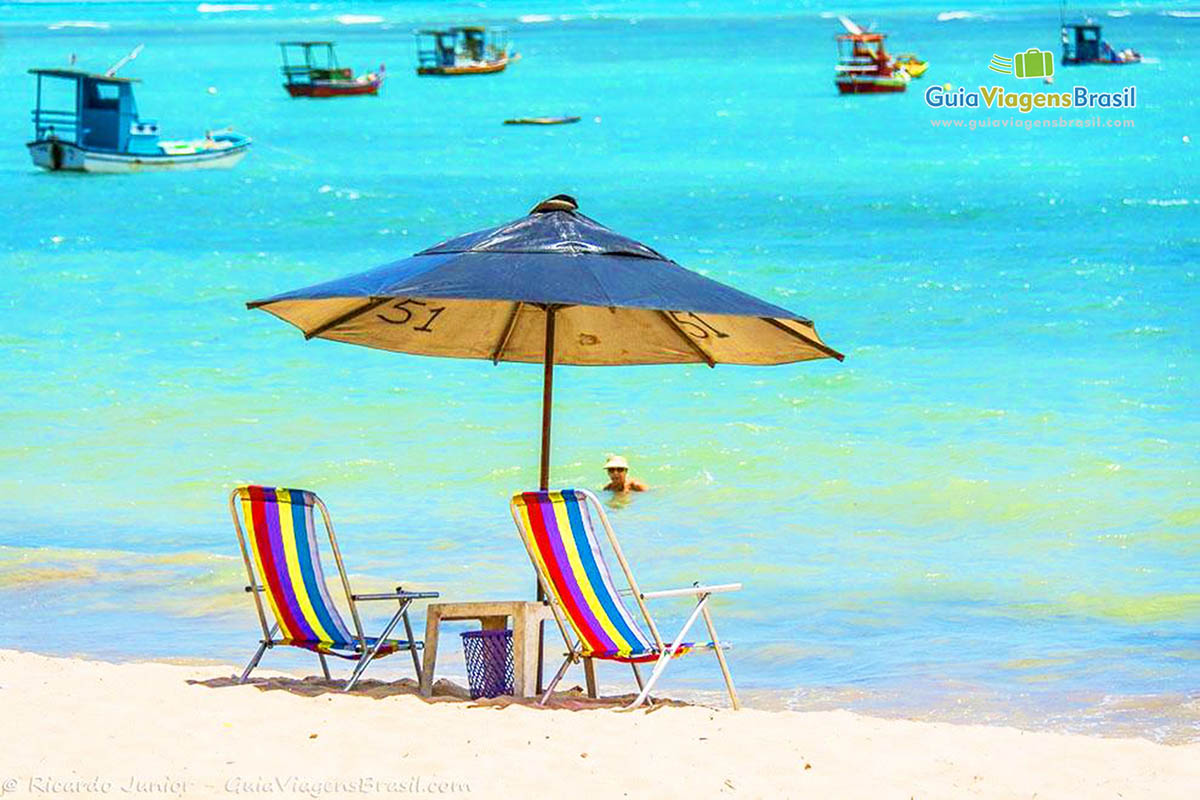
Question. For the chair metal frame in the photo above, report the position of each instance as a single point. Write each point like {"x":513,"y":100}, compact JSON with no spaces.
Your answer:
{"x":365,"y":654}
{"x":575,"y":646}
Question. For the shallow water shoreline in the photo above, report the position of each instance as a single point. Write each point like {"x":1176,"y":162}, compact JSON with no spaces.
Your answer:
{"x":1171,"y":719}
{"x":118,"y":725}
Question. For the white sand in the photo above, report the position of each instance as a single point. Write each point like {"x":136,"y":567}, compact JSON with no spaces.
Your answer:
{"x":86,"y":729}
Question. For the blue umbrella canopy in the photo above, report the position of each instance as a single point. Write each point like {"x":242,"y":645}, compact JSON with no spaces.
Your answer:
{"x":496,"y":293}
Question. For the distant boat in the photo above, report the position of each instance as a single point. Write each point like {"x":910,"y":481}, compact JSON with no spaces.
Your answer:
{"x":913,"y":64}
{"x":1081,"y":44}
{"x":541,"y":121}
{"x":103,"y":132}
{"x":864,"y":65}
{"x":470,"y":50}
{"x":310,"y":69}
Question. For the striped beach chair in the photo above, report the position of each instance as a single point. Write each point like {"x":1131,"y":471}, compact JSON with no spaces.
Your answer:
{"x":558,"y":532}
{"x":283,"y":562}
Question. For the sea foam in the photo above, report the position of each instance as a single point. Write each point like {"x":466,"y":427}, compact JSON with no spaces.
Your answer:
{"x":79,"y":23}
{"x":218,"y":8}
{"x":951,"y":16}
{"x":359,"y":19}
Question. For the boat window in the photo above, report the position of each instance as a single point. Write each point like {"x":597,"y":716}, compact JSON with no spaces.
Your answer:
{"x":58,"y":96}
{"x":1090,"y":35}
{"x":102,"y":95}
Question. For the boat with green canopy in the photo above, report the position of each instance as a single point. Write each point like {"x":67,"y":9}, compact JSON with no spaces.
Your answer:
{"x":311,"y":69}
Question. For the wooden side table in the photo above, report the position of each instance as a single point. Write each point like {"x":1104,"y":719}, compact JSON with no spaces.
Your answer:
{"x":492,"y":615}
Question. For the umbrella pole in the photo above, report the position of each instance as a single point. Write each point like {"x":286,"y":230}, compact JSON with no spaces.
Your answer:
{"x":547,"y":399}
{"x":544,"y":472}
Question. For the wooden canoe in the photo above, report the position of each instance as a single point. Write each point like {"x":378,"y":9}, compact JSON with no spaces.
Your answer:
{"x":541,"y":121}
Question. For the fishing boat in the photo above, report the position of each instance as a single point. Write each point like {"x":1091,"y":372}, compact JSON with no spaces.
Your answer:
{"x":469,"y":50}
{"x":542,"y":121}
{"x":1082,"y":44}
{"x":101,"y":130}
{"x":864,"y":65}
{"x":310,"y":69}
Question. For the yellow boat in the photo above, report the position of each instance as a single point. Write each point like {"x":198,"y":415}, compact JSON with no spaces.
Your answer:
{"x":913,"y":65}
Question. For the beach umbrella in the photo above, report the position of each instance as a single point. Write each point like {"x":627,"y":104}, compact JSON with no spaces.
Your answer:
{"x":553,"y":287}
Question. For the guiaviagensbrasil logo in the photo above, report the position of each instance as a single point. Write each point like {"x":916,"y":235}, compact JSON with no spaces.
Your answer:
{"x":1033,"y":63}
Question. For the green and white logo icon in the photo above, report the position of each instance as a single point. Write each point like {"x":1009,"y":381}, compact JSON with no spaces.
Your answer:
{"x":1033,"y":63}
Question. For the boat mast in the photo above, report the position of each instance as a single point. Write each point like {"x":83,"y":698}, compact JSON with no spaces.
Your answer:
{"x":130,"y":57}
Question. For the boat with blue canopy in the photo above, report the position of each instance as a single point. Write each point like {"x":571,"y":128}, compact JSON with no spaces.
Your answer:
{"x":464,"y":50}
{"x":97,"y":128}
{"x":1083,"y":44}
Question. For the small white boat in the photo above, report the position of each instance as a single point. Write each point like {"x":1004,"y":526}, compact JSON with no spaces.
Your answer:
{"x":217,"y":151}
{"x":103,"y":132}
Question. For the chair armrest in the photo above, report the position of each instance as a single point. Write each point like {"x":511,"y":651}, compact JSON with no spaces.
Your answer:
{"x":397,"y":595}
{"x":695,"y":590}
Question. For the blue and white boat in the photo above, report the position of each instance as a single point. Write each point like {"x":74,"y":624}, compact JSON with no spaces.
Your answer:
{"x":102,"y":132}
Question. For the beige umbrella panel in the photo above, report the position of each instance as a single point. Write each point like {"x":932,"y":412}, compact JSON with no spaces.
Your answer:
{"x":584,"y":335}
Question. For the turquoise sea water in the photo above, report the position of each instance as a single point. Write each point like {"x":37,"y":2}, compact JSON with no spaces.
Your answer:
{"x":987,"y":513}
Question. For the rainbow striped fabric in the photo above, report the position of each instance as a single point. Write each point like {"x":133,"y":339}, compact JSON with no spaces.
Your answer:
{"x":557,"y":528}
{"x":283,"y":540}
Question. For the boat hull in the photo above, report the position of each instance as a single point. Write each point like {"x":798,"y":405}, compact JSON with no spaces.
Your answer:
{"x":334,"y":89}
{"x":542,"y":121}
{"x":57,"y":156}
{"x":485,"y":68}
{"x":1075,"y":62}
{"x":869,"y":85}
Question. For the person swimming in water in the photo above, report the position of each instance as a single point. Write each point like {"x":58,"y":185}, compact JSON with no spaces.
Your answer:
{"x":619,"y":479}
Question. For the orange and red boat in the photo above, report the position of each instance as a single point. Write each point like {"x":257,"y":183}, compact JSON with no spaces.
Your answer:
{"x":310,"y":69}
{"x":468,"y":50}
{"x":864,"y":64}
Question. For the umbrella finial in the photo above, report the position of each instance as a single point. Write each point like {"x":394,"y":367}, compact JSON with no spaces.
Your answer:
{"x":560,"y":202}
